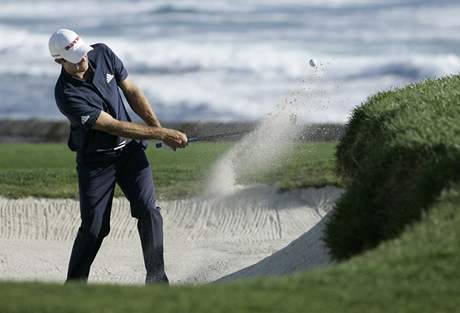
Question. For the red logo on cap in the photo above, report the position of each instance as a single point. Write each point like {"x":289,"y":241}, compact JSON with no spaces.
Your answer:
{"x":72,"y":43}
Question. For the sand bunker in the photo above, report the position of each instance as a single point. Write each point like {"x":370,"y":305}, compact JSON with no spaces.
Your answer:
{"x":245,"y":234}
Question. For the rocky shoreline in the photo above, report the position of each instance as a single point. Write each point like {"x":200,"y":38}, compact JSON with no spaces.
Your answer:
{"x":42,"y":131}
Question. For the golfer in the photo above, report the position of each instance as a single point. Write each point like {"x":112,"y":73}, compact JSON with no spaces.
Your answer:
{"x":109,"y":149}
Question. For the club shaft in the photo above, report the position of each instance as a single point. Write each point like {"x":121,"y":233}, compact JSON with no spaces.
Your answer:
{"x":210,"y":137}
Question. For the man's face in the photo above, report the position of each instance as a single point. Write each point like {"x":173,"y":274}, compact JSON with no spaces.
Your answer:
{"x":75,"y":68}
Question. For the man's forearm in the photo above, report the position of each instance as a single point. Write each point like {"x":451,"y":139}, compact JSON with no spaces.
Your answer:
{"x":140,"y":104}
{"x":133,"y":130}
{"x":106,"y":123}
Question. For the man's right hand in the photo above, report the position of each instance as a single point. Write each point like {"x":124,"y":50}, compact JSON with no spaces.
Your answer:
{"x":174,"y":138}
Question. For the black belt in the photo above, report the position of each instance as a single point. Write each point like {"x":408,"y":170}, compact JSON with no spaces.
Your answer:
{"x":121,"y":146}
{"x":103,"y":154}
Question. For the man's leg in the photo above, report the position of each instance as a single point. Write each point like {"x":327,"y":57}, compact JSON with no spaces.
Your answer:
{"x":134,"y":176}
{"x":97,"y":185}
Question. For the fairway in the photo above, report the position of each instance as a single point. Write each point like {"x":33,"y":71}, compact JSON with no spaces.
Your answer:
{"x":48,"y":170}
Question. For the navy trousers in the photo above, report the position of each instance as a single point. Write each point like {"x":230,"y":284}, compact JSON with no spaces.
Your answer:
{"x":97,"y":176}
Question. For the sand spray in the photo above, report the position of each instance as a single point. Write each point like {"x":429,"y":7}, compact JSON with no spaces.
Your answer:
{"x":267,"y":145}
{"x":260,"y":150}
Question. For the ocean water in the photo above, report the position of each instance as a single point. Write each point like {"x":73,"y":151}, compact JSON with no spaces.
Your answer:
{"x":231,"y":60}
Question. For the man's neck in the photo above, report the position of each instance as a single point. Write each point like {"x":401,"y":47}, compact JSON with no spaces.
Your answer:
{"x":81,"y":75}
{"x":87,"y":75}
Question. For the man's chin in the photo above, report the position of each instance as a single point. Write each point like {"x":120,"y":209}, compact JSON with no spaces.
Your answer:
{"x":82,"y":70}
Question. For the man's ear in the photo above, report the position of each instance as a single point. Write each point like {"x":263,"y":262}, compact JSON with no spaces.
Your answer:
{"x":59,"y":61}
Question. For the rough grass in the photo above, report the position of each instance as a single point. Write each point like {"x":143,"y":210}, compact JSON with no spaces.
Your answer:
{"x":48,"y":170}
{"x":400,"y":150}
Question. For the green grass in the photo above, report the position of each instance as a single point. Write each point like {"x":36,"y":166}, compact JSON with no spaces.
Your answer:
{"x":309,"y":165}
{"x":400,"y":150}
{"x":48,"y":170}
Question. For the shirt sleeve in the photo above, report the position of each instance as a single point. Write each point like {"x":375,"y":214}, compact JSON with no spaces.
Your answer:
{"x":78,"y":111}
{"x":120,"y":71}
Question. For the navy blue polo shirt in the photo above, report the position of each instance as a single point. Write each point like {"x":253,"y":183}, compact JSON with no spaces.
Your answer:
{"x":82,"y":101}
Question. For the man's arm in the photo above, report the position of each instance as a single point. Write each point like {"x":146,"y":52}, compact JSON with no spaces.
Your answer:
{"x":139,"y":103}
{"x":173,"y":138}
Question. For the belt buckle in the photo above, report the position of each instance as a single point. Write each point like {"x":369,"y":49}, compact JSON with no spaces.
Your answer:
{"x":115,"y":151}
{"x":119,"y":150}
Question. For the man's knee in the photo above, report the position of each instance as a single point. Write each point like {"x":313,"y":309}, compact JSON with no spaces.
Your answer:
{"x":94,"y":232}
{"x":146,"y":210}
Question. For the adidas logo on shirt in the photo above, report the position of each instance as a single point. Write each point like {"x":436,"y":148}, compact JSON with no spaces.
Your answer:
{"x":84,"y":119}
{"x":108,"y":77}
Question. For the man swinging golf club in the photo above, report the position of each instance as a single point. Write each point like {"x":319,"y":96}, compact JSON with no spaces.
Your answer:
{"x":109,"y":149}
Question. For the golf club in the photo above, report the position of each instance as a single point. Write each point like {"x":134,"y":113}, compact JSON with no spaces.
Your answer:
{"x":159,"y":145}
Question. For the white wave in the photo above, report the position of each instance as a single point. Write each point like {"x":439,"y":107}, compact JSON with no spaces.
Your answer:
{"x":81,"y":8}
{"x":235,"y":59}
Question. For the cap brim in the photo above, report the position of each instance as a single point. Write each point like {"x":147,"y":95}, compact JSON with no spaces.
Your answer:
{"x":75,"y":56}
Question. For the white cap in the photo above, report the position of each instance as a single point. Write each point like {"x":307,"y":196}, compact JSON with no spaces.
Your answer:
{"x":66,"y":44}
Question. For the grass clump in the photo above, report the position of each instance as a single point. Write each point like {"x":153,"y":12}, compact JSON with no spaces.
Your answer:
{"x":400,"y":150}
